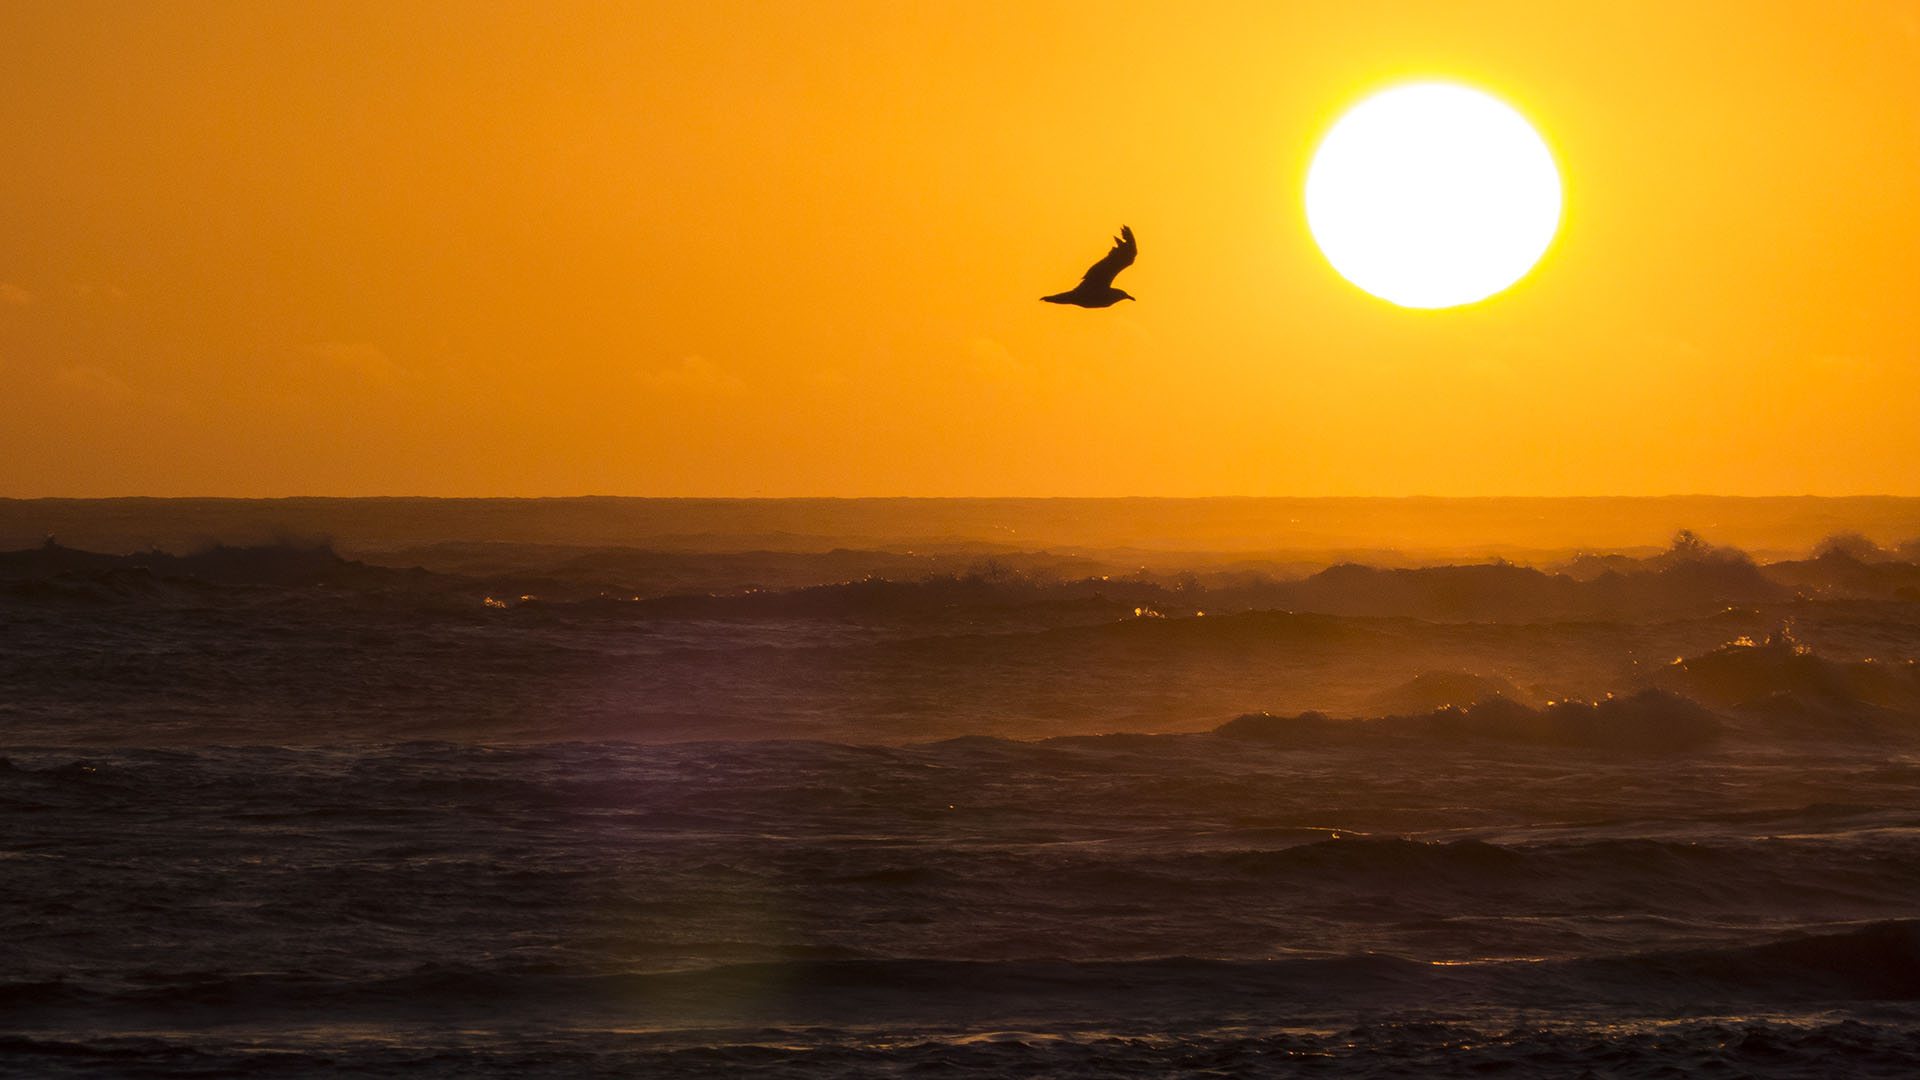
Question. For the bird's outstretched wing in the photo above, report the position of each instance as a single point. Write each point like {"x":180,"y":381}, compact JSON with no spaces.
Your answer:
{"x":1100,"y":274}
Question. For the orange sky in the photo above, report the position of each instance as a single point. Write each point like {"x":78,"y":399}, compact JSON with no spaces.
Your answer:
{"x":796,"y":249}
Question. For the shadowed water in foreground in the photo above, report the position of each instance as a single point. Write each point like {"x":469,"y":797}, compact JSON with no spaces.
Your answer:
{"x":521,"y":810}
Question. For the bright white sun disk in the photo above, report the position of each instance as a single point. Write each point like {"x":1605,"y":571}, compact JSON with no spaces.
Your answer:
{"x":1431,"y":195}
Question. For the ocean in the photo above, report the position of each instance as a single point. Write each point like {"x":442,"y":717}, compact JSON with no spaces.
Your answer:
{"x":933,"y":788}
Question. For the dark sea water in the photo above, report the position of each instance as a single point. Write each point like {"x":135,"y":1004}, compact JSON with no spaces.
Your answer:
{"x":585,"y":809}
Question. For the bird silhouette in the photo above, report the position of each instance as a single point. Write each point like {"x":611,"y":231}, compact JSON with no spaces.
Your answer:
{"x":1096,"y":287}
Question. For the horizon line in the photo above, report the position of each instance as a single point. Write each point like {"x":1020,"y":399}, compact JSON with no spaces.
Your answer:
{"x":1417,"y":497}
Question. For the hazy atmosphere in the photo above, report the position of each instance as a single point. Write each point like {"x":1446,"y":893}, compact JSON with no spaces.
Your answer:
{"x":1360,"y":538}
{"x":743,"y":249}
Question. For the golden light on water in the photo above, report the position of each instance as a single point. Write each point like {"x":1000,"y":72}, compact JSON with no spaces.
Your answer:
{"x":1431,"y":195}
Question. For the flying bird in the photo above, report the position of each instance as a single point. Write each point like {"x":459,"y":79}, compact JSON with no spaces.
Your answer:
{"x":1096,"y":288}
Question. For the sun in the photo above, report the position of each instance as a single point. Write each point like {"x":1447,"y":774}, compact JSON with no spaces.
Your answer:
{"x":1431,"y":195}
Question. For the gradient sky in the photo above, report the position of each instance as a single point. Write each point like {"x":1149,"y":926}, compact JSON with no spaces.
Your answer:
{"x":796,"y":249}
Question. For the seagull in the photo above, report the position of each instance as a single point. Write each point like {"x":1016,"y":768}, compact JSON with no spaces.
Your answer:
{"x":1096,"y":287}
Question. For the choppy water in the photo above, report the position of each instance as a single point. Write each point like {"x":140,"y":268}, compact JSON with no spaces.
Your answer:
{"x":312,"y":827}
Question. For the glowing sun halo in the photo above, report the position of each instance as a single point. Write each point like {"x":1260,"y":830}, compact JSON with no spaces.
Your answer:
{"x":1431,"y":195}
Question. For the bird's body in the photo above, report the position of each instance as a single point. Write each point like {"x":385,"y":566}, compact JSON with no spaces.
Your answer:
{"x":1096,"y":286}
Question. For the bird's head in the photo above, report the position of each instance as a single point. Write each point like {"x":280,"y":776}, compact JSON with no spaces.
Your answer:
{"x":1125,"y":295}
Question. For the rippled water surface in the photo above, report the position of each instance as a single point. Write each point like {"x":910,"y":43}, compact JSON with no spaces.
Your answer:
{"x":991,"y":824}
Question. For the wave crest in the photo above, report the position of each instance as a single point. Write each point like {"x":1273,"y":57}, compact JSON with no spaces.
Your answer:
{"x":1649,"y":721}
